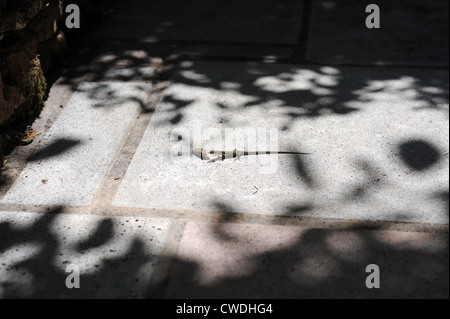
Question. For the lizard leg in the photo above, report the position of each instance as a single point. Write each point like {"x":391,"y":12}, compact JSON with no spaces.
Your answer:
{"x":237,"y":154}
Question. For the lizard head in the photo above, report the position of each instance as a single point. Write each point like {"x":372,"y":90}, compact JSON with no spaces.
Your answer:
{"x":200,"y":153}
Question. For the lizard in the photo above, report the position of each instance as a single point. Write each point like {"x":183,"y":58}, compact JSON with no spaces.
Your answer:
{"x":203,"y":154}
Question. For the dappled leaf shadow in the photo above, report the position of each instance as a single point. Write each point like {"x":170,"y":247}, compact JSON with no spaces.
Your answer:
{"x":102,"y":234}
{"x":444,"y":197}
{"x":108,"y":95}
{"x":303,"y":170}
{"x":419,"y":155}
{"x":226,"y":216}
{"x":53,"y":149}
{"x":300,"y":209}
{"x":372,"y":180}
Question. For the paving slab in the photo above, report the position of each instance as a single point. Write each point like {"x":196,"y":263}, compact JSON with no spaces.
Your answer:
{"x":204,"y":20}
{"x":127,"y":73}
{"x":115,"y":256}
{"x":410,"y":33}
{"x":273,"y":261}
{"x":378,"y":138}
{"x":80,"y":145}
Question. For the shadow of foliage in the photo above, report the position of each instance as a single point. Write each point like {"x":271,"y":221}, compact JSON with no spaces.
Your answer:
{"x":55,"y":148}
{"x":419,"y":155}
{"x":37,"y":269}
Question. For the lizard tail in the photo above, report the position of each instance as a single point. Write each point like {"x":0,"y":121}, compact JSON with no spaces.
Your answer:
{"x":274,"y":152}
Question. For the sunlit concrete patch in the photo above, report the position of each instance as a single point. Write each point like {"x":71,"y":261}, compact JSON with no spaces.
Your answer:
{"x":277,"y":261}
{"x":410,"y":33}
{"x":80,"y":145}
{"x":261,"y":21}
{"x":379,"y":143}
{"x":115,"y":256}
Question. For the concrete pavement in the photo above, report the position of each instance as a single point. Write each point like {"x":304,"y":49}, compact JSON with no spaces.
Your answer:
{"x":109,"y":184}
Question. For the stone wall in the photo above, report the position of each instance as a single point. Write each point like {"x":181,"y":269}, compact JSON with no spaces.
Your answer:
{"x":27,"y":28}
{"x":32,"y":38}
